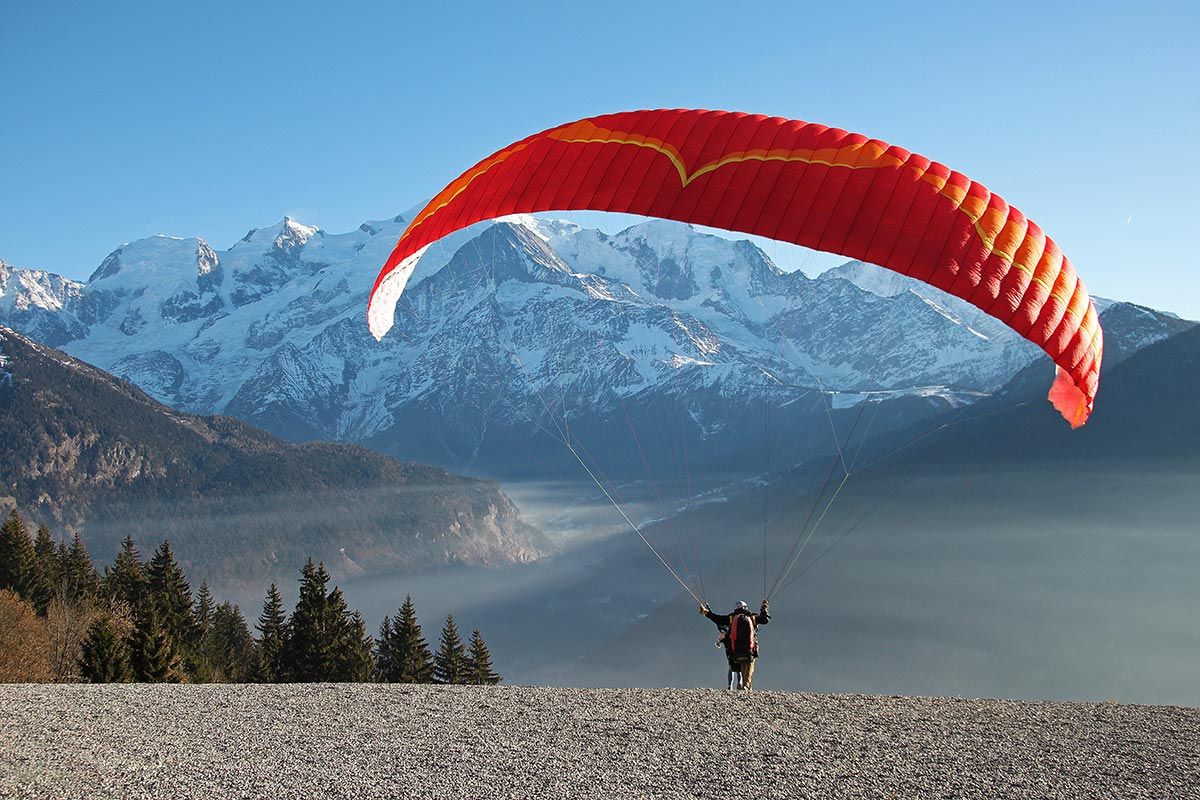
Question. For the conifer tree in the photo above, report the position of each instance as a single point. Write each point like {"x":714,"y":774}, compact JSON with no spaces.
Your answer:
{"x":270,"y":642}
{"x":308,"y":644}
{"x":61,"y":561}
{"x":155,"y":657}
{"x":203,"y":658}
{"x":43,"y":547}
{"x":385,"y":651}
{"x":172,"y":596}
{"x":324,"y":640}
{"x":126,"y":581}
{"x":352,"y":660}
{"x":82,"y":580}
{"x":17,"y":558}
{"x":450,"y":661}
{"x":45,"y":569}
{"x":105,"y":656}
{"x":479,"y":662}
{"x":203,"y":613}
{"x":231,"y":646}
{"x":412,"y":660}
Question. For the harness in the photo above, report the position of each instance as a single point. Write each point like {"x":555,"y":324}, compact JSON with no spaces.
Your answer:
{"x":743,"y":643}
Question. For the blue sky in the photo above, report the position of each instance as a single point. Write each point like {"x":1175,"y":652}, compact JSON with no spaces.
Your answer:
{"x":125,"y":120}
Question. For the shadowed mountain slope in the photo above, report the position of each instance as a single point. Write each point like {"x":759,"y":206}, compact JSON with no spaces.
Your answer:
{"x":84,"y":450}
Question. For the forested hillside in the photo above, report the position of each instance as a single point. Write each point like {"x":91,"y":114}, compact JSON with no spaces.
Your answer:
{"x":86,"y":451}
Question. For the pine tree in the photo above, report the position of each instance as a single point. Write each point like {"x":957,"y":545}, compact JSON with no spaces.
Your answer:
{"x":385,"y":651}
{"x":352,"y":661}
{"x":45,"y":568}
{"x":479,"y":662}
{"x":155,"y":658}
{"x":203,"y":613}
{"x":324,"y":640}
{"x":17,"y":565}
{"x":412,"y":660}
{"x":43,"y":548}
{"x":126,"y":581}
{"x":203,"y":660}
{"x":307,"y":646}
{"x":172,"y":596}
{"x":105,"y":656}
{"x":450,"y":661}
{"x":82,"y":580}
{"x":270,"y":643}
{"x":62,"y":558}
{"x":231,"y":646}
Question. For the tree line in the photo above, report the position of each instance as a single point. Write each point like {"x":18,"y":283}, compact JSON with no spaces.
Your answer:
{"x":137,"y":620}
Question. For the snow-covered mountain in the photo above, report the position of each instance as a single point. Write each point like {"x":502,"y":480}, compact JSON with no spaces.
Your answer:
{"x":33,"y":300}
{"x":519,"y":330}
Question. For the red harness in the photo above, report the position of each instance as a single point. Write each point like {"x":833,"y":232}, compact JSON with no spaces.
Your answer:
{"x":750,"y":646}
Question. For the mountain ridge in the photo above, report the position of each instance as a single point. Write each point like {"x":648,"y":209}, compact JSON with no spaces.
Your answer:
{"x":506,"y":316}
{"x":85,"y":450}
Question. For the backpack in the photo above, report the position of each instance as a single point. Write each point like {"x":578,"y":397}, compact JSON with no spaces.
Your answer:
{"x":743,"y":636}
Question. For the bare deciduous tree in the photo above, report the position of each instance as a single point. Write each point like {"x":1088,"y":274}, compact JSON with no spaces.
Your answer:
{"x":25,"y":649}
{"x":67,"y":622}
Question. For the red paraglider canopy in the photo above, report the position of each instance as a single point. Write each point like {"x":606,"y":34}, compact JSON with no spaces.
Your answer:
{"x":793,"y":181}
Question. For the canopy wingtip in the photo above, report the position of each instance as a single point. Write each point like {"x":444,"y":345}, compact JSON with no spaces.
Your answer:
{"x":381,"y":307}
{"x":1069,"y":400}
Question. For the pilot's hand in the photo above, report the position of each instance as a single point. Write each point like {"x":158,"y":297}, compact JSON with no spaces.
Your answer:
{"x":765,"y":606}
{"x":704,"y":608}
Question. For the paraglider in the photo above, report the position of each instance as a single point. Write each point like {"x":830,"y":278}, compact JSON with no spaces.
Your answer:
{"x":739,"y":637}
{"x":792,"y":181}
{"x":795,"y":182}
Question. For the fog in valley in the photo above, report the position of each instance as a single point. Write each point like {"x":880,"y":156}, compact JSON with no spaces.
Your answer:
{"x":1080,"y":588}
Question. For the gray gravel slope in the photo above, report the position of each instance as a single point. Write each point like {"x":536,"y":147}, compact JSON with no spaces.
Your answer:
{"x":459,"y":742}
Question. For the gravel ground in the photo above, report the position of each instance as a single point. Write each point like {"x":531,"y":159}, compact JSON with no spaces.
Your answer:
{"x":325,"y":740}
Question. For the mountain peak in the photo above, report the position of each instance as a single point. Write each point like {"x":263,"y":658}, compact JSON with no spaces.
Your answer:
{"x":546,"y":229}
{"x":657,"y":228}
{"x":29,"y":289}
{"x":296,"y":226}
{"x":285,"y":234}
{"x":870,"y":278}
{"x":519,"y":250}
{"x":157,"y":254}
{"x":663,"y":237}
{"x":293,"y":234}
